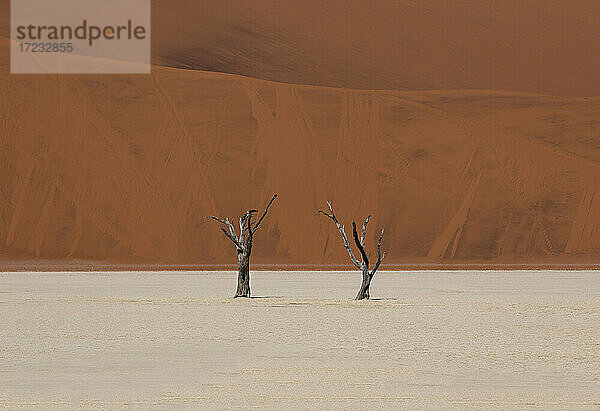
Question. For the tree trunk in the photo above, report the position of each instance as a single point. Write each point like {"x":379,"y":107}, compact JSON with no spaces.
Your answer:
{"x":243,"y":287}
{"x":363,"y":293}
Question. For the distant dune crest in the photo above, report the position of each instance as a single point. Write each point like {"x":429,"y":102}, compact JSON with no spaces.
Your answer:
{"x":541,"y":46}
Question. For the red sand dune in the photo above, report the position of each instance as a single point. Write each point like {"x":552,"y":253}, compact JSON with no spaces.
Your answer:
{"x":122,"y":169}
{"x":542,"y":46}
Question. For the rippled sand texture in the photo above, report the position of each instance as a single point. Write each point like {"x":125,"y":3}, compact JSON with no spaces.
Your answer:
{"x":445,"y":339}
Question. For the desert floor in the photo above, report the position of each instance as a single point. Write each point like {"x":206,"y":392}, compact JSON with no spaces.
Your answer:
{"x":178,"y":339}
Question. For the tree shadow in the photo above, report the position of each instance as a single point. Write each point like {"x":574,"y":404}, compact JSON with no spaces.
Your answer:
{"x":266,"y":296}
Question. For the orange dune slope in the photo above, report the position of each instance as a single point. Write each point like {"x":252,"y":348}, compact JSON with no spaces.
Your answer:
{"x":542,"y":46}
{"x":124,"y":168}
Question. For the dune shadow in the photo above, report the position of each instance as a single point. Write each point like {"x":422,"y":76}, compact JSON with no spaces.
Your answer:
{"x":385,"y":299}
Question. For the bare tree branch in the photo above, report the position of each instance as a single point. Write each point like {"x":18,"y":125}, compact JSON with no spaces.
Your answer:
{"x":231,"y":235}
{"x":243,"y":227}
{"x":224,"y":221}
{"x":343,"y":233}
{"x":230,"y":226}
{"x":235,"y":241}
{"x":380,"y":256}
{"x":364,"y":230}
{"x":360,"y":243}
{"x":364,"y":292}
{"x":253,"y":229}
{"x":243,"y":244}
{"x":248,"y":228}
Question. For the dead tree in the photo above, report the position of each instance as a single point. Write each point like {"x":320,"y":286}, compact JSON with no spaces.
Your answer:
{"x":363,"y":265}
{"x":243,"y":245}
